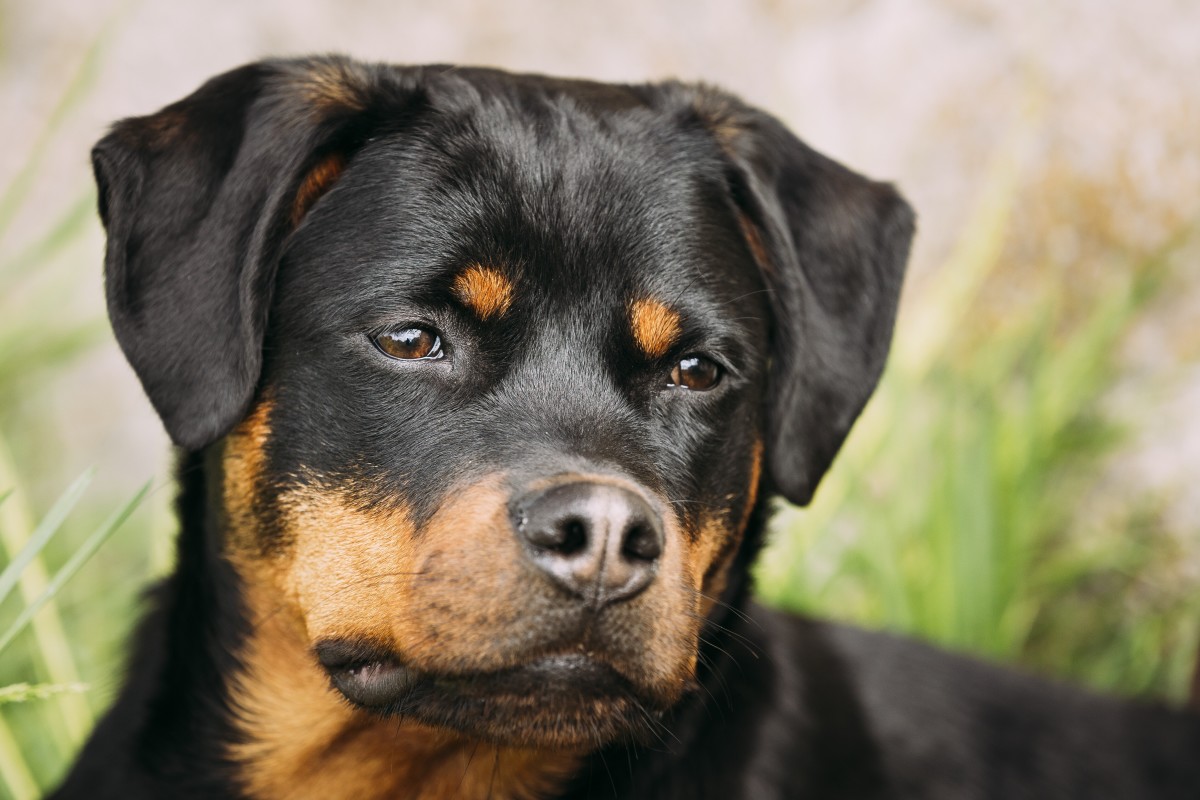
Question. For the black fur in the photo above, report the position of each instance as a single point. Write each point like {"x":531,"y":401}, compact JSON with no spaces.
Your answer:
{"x":586,"y":192}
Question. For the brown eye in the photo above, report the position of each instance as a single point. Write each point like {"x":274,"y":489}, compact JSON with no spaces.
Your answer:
{"x":410,"y":344}
{"x":696,"y":373}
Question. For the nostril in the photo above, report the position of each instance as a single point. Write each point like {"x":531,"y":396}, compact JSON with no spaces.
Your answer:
{"x":642,"y":543}
{"x":574,"y":536}
{"x":564,"y":537}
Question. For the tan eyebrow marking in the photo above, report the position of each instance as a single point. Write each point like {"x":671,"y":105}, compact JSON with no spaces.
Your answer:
{"x":655,"y":327}
{"x":484,"y":290}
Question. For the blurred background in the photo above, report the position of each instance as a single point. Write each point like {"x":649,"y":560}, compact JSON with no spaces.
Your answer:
{"x":1023,"y":486}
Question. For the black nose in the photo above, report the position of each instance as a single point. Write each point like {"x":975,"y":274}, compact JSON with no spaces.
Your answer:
{"x":597,"y":541}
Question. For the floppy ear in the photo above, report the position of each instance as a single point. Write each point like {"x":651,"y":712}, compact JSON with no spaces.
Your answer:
{"x":197,"y":201}
{"x":832,"y":246}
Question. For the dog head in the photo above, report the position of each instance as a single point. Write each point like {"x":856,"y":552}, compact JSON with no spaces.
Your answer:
{"x":493,"y":370}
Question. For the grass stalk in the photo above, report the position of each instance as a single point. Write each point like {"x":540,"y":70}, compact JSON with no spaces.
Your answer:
{"x":15,"y":773}
{"x":53,"y":647}
{"x":85,"y":551}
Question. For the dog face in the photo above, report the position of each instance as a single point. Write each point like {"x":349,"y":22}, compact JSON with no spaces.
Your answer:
{"x":493,"y":370}
{"x":485,"y":474}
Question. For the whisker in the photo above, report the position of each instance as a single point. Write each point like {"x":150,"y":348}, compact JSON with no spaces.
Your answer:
{"x":716,"y":601}
{"x":744,"y":296}
{"x":722,"y":650}
{"x":611,"y":780}
{"x":717,"y":627}
{"x":654,"y":725}
{"x":495,"y":772}
{"x":467,"y":768}
{"x":703,"y":659}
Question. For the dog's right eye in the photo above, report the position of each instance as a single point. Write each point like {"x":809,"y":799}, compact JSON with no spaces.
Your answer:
{"x":410,"y":344}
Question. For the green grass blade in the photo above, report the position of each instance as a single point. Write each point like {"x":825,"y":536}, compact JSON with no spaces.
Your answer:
{"x":14,"y":771}
{"x":25,"y":692}
{"x":54,"y":649}
{"x":44,"y":531}
{"x":85,"y":551}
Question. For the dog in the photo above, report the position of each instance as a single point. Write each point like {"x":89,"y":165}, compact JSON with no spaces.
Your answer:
{"x":482,"y":385}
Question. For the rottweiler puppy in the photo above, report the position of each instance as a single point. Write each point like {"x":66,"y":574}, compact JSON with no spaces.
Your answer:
{"x":481,"y":385}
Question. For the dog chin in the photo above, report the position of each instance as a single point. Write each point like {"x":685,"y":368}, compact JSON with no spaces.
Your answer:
{"x":568,"y":701}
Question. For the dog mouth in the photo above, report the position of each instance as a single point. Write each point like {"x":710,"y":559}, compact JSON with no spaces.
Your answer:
{"x":564,"y":699}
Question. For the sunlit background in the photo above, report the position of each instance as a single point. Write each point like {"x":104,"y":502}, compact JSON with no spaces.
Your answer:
{"x":1023,"y":486}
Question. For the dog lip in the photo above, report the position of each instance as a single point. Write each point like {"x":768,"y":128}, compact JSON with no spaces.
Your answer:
{"x":375,"y":678}
{"x":342,"y":654}
{"x":373,"y":684}
{"x":365,"y":674}
{"x":574,"y":672}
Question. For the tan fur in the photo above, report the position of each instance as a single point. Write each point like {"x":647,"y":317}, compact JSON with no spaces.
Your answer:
{"x":302,"y":740}
{"x":756,"y":466}
{"x":319,"y":180}
{"x":655,"y":327}
{"x":718,"y":540}
{"x":243,"y":464}
{"x":485,"y":290}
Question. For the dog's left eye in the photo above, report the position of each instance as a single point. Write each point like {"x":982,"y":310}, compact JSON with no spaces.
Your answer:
{"x":410,"y":344}
{"x":696,"y":373}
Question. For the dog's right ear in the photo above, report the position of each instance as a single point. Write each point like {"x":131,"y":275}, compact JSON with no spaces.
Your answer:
{"x":197,"y":201}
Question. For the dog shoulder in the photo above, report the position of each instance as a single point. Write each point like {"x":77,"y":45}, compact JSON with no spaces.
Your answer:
{"x":936,"y":724}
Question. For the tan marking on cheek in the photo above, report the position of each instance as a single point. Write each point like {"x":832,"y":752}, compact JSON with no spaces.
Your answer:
{"x":299,"y":739}
{"x":319,"y":180}
{"x":711,"y":554}
{"x":756,"y":465}
{"x":718,"y":544}
{"x":351,"y":569}
{"x":485,"y":290}
{"x":349,"y":573}
{"x":674,"y":632}
{"x":655,"y":327}
{"x":243,"y":462}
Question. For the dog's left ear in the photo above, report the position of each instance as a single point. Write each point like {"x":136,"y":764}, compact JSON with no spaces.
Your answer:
{"x":832,"y":246}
